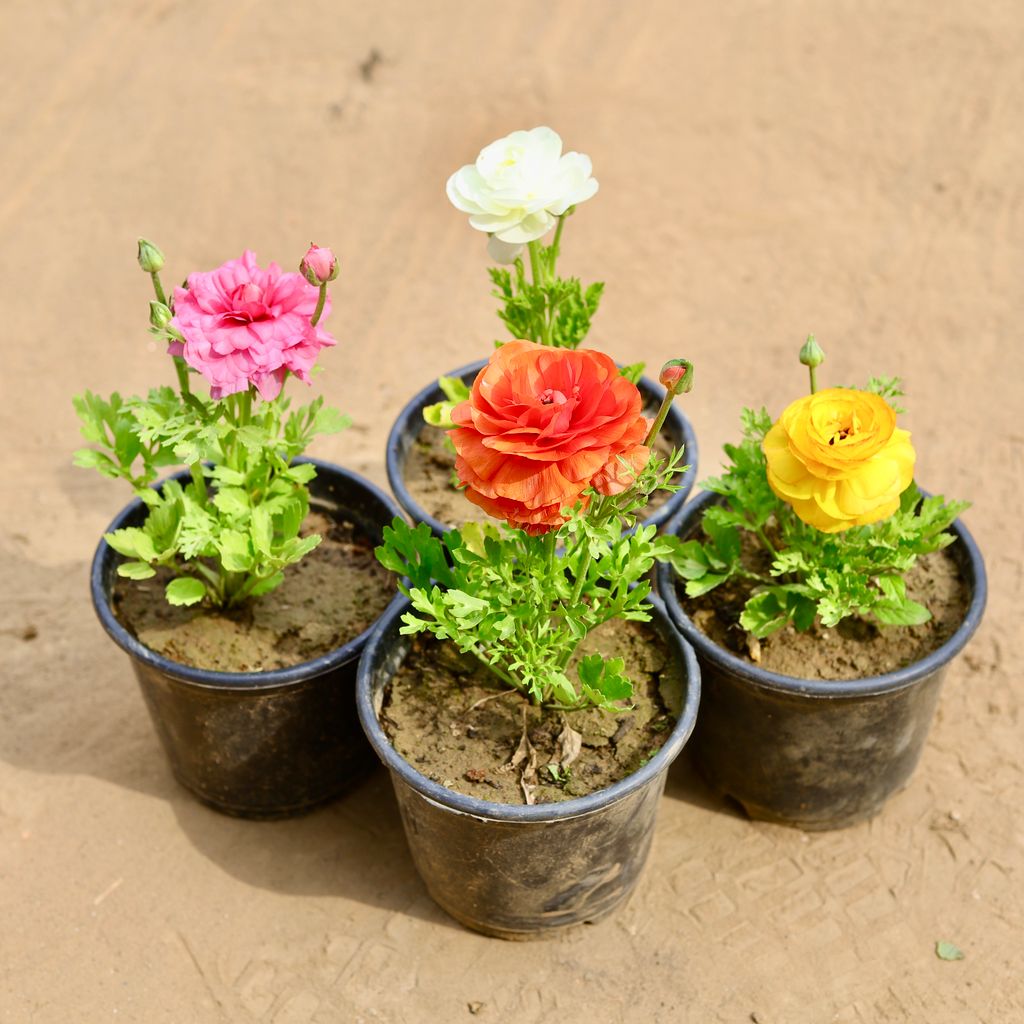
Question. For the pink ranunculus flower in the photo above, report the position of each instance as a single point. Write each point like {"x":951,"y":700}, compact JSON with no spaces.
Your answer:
{"x":245,"y":325}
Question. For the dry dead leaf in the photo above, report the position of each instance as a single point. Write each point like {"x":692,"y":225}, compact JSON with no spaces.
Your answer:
{"x":568,"y":746}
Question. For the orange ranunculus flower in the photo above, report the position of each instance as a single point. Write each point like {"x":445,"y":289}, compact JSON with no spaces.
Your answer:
{"x":838,"y":459}
{"x":541,"y":426}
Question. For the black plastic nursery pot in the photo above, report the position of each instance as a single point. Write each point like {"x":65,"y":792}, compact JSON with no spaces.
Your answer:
{"x":814,"y":754}
{"x":258,"y":744}
{"x":517,"y":871}
{"x":407,"y":427}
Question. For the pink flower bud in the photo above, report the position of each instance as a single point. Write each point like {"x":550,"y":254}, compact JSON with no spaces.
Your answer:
{"x":677,"y":376}
{"x":319,"y":265}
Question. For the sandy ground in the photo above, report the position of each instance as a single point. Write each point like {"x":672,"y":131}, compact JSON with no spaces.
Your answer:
{"x":766,"y":170}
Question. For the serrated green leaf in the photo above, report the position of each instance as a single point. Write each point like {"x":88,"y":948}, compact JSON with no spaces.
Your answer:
{"x":185,"y":590}
{"x":297,"y":548}
{"x":330,"y":421}
{"x":300,"y":472}
{"x":132,"y":542}
{"x":261,"y":529}
{"x":232,"y":501}
{"x":901,"y":613}
{"x":227,"y":477}
{"x":267,"y":584}
{"x":696,"y":587}
{"x":764,"y":613}
{"x":235,"y":553}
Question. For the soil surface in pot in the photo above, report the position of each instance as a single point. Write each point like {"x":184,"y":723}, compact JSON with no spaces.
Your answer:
{"x":332,"y":595}
{"x":447,"y":716}
{"x":852,"y":650}
{"x":429,"y":475}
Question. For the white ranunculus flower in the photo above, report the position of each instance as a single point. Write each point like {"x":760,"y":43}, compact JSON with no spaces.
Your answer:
{"x":520,"y":184}
{"x":503,"y":252}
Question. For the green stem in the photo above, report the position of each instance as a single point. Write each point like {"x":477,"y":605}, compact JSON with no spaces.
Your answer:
{"x":812,"y":370}
{"x":759,"y":531}
{"x":535,"y":268}
{"x":549,"y":550}
{"x":245,"y":408}
{"x":581,"y":576}
{"x":158,"y":288}
{"x":659,"y":420}
{"x":497,"y":670}
{"x":556,"y":242}
{"x":319,"y":306}
{"x":180,"y":367}
{"x":539,"y":272}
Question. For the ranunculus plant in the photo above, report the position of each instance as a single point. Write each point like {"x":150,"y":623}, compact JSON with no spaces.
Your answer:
{"x":227,"y":533}
{"x":520,"y":189}
{"x":552,"y":442}
{"x":826,"y":493}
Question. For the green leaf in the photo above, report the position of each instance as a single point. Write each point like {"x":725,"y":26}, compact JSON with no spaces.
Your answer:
{"x":297,"y":548}
{"x":415,"y":552}
{"x":948,"y":951}
{"x":688,"y":558}
{"x":232,"y":501}
{"x":603,"y":680}
{"x":900,"y":613}
{"x":136,"y":570}
{"x":227,"y":477}
{"x":439,"y":415}
{"x":633,"y":372}
{"x":455,"y":389}
{"x":261,"y":529}
{"x":185,"y":590}
{"x":696,"y":587}
{"x":89,"y":458}
{"x":235,"y":554}
{"x":562,"y":690}
{"x":267,"y":584}
{"x":330,"y":421}
{"x":300,"y":472}
{"x":764,"y":613}
{"x":132,"y":542}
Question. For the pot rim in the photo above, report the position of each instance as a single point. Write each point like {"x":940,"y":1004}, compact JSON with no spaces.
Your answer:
{"x":487,"y":811}
{"x":973,"y":568}
{"x":212,"y":678}
{"x":412,"y":411}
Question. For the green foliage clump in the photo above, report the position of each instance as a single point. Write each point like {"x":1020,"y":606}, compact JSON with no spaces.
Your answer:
{"x":522,"y":606}
{"x":227,"y":533}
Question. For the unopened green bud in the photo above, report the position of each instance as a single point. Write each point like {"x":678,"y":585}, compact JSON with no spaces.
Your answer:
{"x":151,"y":259}
{"x":159,"y":315}
{"x":676,"y":376}
{"x":811,"y":354}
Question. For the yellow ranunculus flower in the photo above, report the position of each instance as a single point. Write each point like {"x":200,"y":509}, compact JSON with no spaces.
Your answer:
{"x":838,"y":459}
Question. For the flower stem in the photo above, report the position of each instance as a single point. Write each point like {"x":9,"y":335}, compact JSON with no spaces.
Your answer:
{"x":535,"y":267}
{"x":812,"y":370}
{"x":180,"y":367}
{"x":556,"y":242}
{"x":659,"y":420}
{"x":319,"y":306}
{"x":158,"y":288}
{"x":541,"y":274}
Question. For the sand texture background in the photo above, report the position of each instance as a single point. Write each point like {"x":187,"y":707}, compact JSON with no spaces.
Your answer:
{"x":767,"y":170}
